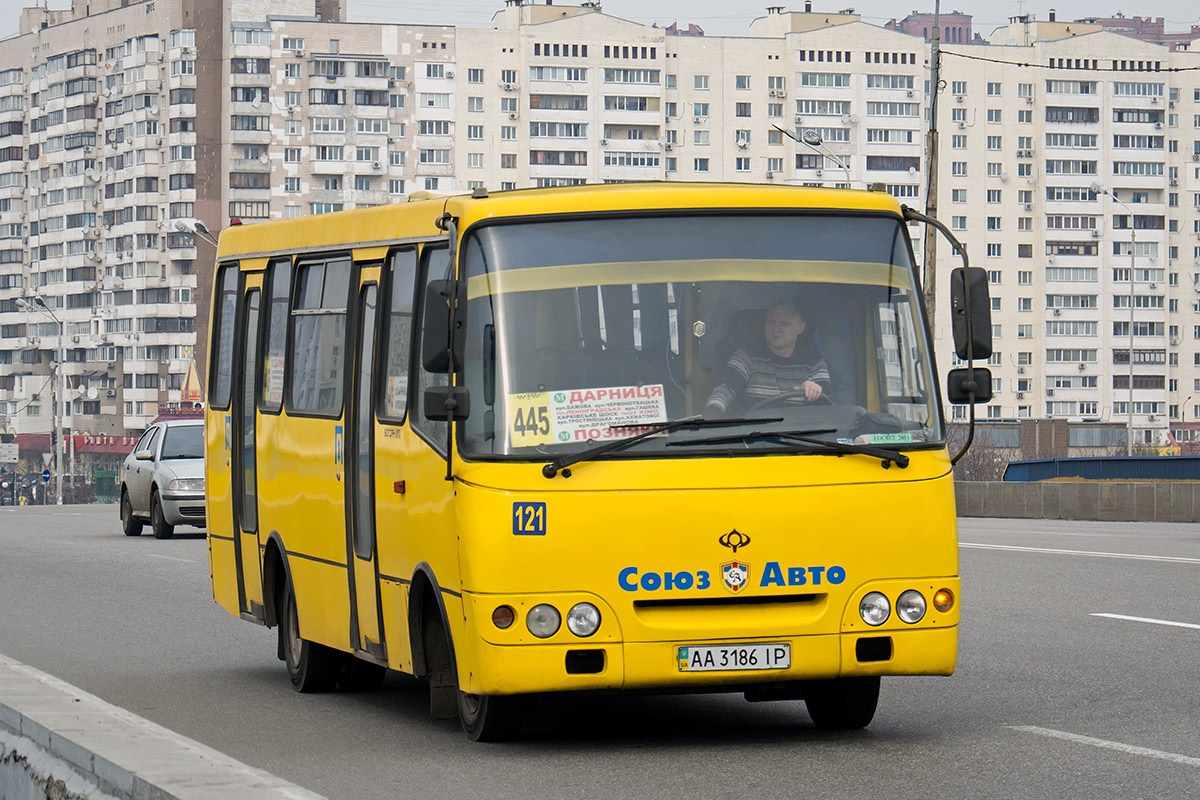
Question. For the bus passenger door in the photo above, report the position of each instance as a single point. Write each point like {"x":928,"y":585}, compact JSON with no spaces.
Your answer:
{"x":366,"y":607}
{"x":245,"y":466}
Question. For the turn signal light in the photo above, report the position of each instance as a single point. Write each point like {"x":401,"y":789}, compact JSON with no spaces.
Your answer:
{"x":503,"y":617}
{"x":943,"y":600}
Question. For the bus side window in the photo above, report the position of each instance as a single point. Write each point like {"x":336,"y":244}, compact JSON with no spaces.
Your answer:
{"x":279,"y":286}
{"x":319,"y":337}
{"x":435,"y":265}
{"x":398,"y":328}
{"x":221,"y":378}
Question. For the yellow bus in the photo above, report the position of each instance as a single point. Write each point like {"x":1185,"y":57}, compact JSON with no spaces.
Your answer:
{"x":503,"y":442}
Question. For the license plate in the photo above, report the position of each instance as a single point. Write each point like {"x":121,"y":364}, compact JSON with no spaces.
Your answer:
{"x":735,"y":657}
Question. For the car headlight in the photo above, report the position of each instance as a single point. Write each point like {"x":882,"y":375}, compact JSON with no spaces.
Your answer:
{"x":583,"y":619}
{"x":543,"y":620}
{"x":910,"y":606}
{"x":186,"y":485}
{"x":874,"y":609}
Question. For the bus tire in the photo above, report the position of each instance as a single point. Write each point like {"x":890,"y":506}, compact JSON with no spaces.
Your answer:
{"x":842,"y":704}
{"x":158,"y":522}
{"x":311,"y":667}
{"x":491,"y":718}
{"x":484,"y":718}
{"x":357,"y":675}
{"x":130,"y":524}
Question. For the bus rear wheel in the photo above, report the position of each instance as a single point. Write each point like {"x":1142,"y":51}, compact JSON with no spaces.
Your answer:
{"x":842,"y":704}
{"x":311,"y":667}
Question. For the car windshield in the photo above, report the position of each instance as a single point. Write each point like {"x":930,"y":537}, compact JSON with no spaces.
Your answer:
{"x":183,"y":441}
{"x":582,"y":331}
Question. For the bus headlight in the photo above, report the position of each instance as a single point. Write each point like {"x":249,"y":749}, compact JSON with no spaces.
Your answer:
{"x":874,"y":609}
{"x":543,"y":620}
{"x":583,"y":619}
{"x":910,"y":606}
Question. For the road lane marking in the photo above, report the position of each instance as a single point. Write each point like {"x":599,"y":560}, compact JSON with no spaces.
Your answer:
{"x":172,"y":558}
{"x":1104,"y":743}
{"x":1092,"y":553}
{"x":1190,"y":625}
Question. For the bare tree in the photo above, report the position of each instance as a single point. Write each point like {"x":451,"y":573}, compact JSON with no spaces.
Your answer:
{"x":984,"y":461}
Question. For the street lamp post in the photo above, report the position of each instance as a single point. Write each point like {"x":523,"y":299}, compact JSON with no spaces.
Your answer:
{"x":1098,"y":188}
{"x":1187,"y":436}
{"x":38,"y":304}
{"x":813,"y":139}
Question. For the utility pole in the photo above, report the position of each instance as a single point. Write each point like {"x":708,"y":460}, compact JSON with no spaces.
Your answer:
{"x":931,"y":163}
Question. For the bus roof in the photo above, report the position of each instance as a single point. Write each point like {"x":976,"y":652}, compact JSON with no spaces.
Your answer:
{"x":417,"y":219}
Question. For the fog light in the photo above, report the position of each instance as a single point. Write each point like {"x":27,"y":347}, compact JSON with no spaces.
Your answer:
{"x":874,"y":609}
{"x":543,"y":621}
{"x":503,"y":617}
{"x":583,"y":619}
{"x":943,"y":600}
{"x":910,"y":606}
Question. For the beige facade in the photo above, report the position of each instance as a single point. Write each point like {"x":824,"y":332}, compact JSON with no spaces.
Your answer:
{"x":274,"y":112}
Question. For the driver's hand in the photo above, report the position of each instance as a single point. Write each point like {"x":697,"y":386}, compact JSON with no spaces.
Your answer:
{"x":811,"y":390}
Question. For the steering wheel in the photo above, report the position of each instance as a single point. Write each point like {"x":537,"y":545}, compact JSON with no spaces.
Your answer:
{"x":779,"y":398}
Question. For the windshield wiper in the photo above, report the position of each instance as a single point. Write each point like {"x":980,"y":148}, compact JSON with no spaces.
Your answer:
{"x":887,"y":455}
{"x":747,"y":437}
{"x":656,"y":429}
{"x":803,"y":437}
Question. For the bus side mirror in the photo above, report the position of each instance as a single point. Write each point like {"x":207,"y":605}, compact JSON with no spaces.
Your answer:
{"x":442,"y":348}
{"x":964,"y":388}
{"x":444,"y":403}
{"x":969,"y":289}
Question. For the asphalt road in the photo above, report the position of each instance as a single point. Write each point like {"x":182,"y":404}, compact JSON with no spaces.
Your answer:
{"x":1050,"y":699}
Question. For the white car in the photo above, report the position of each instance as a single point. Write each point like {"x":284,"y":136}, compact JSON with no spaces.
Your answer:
{"x":162,"y":480}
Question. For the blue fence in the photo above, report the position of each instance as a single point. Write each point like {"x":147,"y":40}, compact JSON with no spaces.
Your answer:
{"x":1107,"y":468}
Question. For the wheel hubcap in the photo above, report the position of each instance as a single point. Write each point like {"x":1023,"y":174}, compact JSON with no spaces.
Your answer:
{"x":293,"y":637}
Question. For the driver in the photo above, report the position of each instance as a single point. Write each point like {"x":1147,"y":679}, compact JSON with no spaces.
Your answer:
{"x":786,"y":363}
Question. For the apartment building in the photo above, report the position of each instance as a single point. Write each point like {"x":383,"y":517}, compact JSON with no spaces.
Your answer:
{"x":248,"y":111}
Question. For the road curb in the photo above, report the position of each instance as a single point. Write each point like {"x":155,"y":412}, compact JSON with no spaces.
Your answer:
{"x":54,"y":736}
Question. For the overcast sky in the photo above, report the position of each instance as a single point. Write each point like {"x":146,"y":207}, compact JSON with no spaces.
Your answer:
{"x":727,"y":17}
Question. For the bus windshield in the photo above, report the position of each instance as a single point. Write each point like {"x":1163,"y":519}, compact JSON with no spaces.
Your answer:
{"x":588,"y":330}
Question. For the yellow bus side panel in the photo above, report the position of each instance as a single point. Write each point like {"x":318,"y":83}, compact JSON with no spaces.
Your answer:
{"x":322,"y":602}
{"x":412,"y":528}
{"x":219,"y":512}
{"x":224,"y":574}
{"x":394,"y":597}
{"x":302,"y":497}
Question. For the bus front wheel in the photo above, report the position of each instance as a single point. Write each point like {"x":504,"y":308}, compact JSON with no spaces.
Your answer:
{"x":311,"y":667}
{"x":484,"y":718}
{"x":842,"y":703}
{"x":491,"y":718}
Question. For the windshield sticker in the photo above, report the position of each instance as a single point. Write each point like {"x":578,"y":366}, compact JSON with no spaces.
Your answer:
{"x":884,"y":438}
{"x":581,"y":415}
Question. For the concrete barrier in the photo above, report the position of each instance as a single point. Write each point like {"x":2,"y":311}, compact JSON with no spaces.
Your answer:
{"x":1113,"y":501}
{"x":58,"y":742}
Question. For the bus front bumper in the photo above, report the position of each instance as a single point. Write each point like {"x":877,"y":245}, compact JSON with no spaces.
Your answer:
{"x":656,"y":666}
